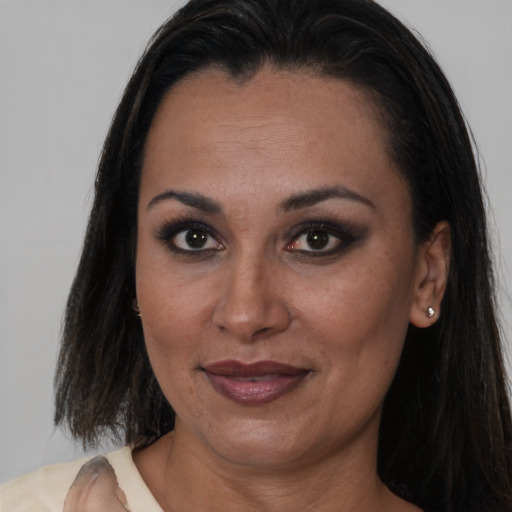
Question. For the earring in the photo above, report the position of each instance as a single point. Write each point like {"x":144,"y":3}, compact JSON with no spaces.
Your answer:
{"x":135,"y":307}
{"x":431,"y":312}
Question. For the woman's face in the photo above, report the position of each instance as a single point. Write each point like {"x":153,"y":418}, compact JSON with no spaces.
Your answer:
{"x":276,"y":269}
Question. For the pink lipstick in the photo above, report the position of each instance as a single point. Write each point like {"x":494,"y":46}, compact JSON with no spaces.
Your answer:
{"x":254,"y":384}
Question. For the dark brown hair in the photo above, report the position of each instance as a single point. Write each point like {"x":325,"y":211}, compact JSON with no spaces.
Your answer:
{"x":446,"y":436}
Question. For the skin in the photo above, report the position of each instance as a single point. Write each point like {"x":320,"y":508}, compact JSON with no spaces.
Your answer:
{"x":259,"y":293}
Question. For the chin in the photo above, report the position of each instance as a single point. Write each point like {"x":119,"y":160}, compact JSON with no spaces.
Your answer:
{"x":265,"y":444}
{"x":263,"y":453}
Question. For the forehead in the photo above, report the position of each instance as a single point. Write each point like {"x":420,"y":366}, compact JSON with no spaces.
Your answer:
{"x":288,"y":128}
{"x":207,"y":98}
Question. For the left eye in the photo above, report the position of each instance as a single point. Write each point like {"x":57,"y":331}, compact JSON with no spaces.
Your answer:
{"x":315,"y":240}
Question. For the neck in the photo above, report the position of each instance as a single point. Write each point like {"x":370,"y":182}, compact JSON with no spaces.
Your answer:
{"x":183,"y":475}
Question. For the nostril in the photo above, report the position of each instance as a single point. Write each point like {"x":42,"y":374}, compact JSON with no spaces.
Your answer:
{"x":262,"y":331}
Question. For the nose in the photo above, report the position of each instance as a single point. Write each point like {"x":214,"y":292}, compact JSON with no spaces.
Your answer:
{"x":253,"y":303}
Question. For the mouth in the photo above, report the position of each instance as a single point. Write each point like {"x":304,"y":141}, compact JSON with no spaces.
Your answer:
{"x":254,"y":384}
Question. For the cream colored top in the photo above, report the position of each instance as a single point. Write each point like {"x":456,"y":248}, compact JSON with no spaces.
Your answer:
{"x":108,"y":483}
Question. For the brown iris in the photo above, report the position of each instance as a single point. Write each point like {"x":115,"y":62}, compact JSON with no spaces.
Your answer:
{"x":317,"y":239}
{"x":196,"y":238}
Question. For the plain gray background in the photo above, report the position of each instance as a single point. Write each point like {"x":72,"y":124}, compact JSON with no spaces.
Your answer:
{"x":63,"y":65}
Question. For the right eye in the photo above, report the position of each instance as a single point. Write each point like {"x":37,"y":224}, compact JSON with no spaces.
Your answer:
{"x":194,"y":239}
{"x":190,"y":238}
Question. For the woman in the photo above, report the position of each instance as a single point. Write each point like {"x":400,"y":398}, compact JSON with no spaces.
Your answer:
{"x":284,"y":299}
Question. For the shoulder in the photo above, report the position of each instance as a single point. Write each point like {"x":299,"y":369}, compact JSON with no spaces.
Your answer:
{"x":106,"y":482}
{"x":53,"y":488}
{"x":43,"y":490}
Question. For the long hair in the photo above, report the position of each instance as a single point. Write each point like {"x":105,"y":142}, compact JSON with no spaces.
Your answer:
{"x":446,"y":436}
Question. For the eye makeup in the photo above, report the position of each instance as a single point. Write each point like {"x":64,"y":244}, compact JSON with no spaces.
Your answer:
{"x":322,"y":238}
{"x":189,"y":237}
{"x":312,"y":239}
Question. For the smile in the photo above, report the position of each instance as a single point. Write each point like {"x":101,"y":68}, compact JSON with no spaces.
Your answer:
{"x":254,"y":384}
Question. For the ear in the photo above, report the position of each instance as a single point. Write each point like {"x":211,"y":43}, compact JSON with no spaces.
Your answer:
{"x":431,"y":276}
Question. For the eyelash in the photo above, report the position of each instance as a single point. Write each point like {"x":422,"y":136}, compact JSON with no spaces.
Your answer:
{"x":343,"y":233}
{"x":168,"y":233}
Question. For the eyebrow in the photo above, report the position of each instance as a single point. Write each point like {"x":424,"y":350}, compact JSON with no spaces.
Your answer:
{"x":192,"y":199}
{"x":315,"y":196}
{"x":294,"y":202}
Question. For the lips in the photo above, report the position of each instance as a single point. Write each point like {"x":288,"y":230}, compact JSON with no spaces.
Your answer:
{"x":254,"y":384}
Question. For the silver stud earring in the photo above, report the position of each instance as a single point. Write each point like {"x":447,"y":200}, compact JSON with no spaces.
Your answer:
{"x":431,"y":312}
{"x":135,"y":307}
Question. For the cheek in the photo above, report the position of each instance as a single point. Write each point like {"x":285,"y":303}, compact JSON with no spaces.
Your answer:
{"x":359,"y":326}
{"x":360,"y":314}
{"x":166,"y":296}
{"x":172,"y":314}
{"x":174,"y":308}
{"x":171,"y":336}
